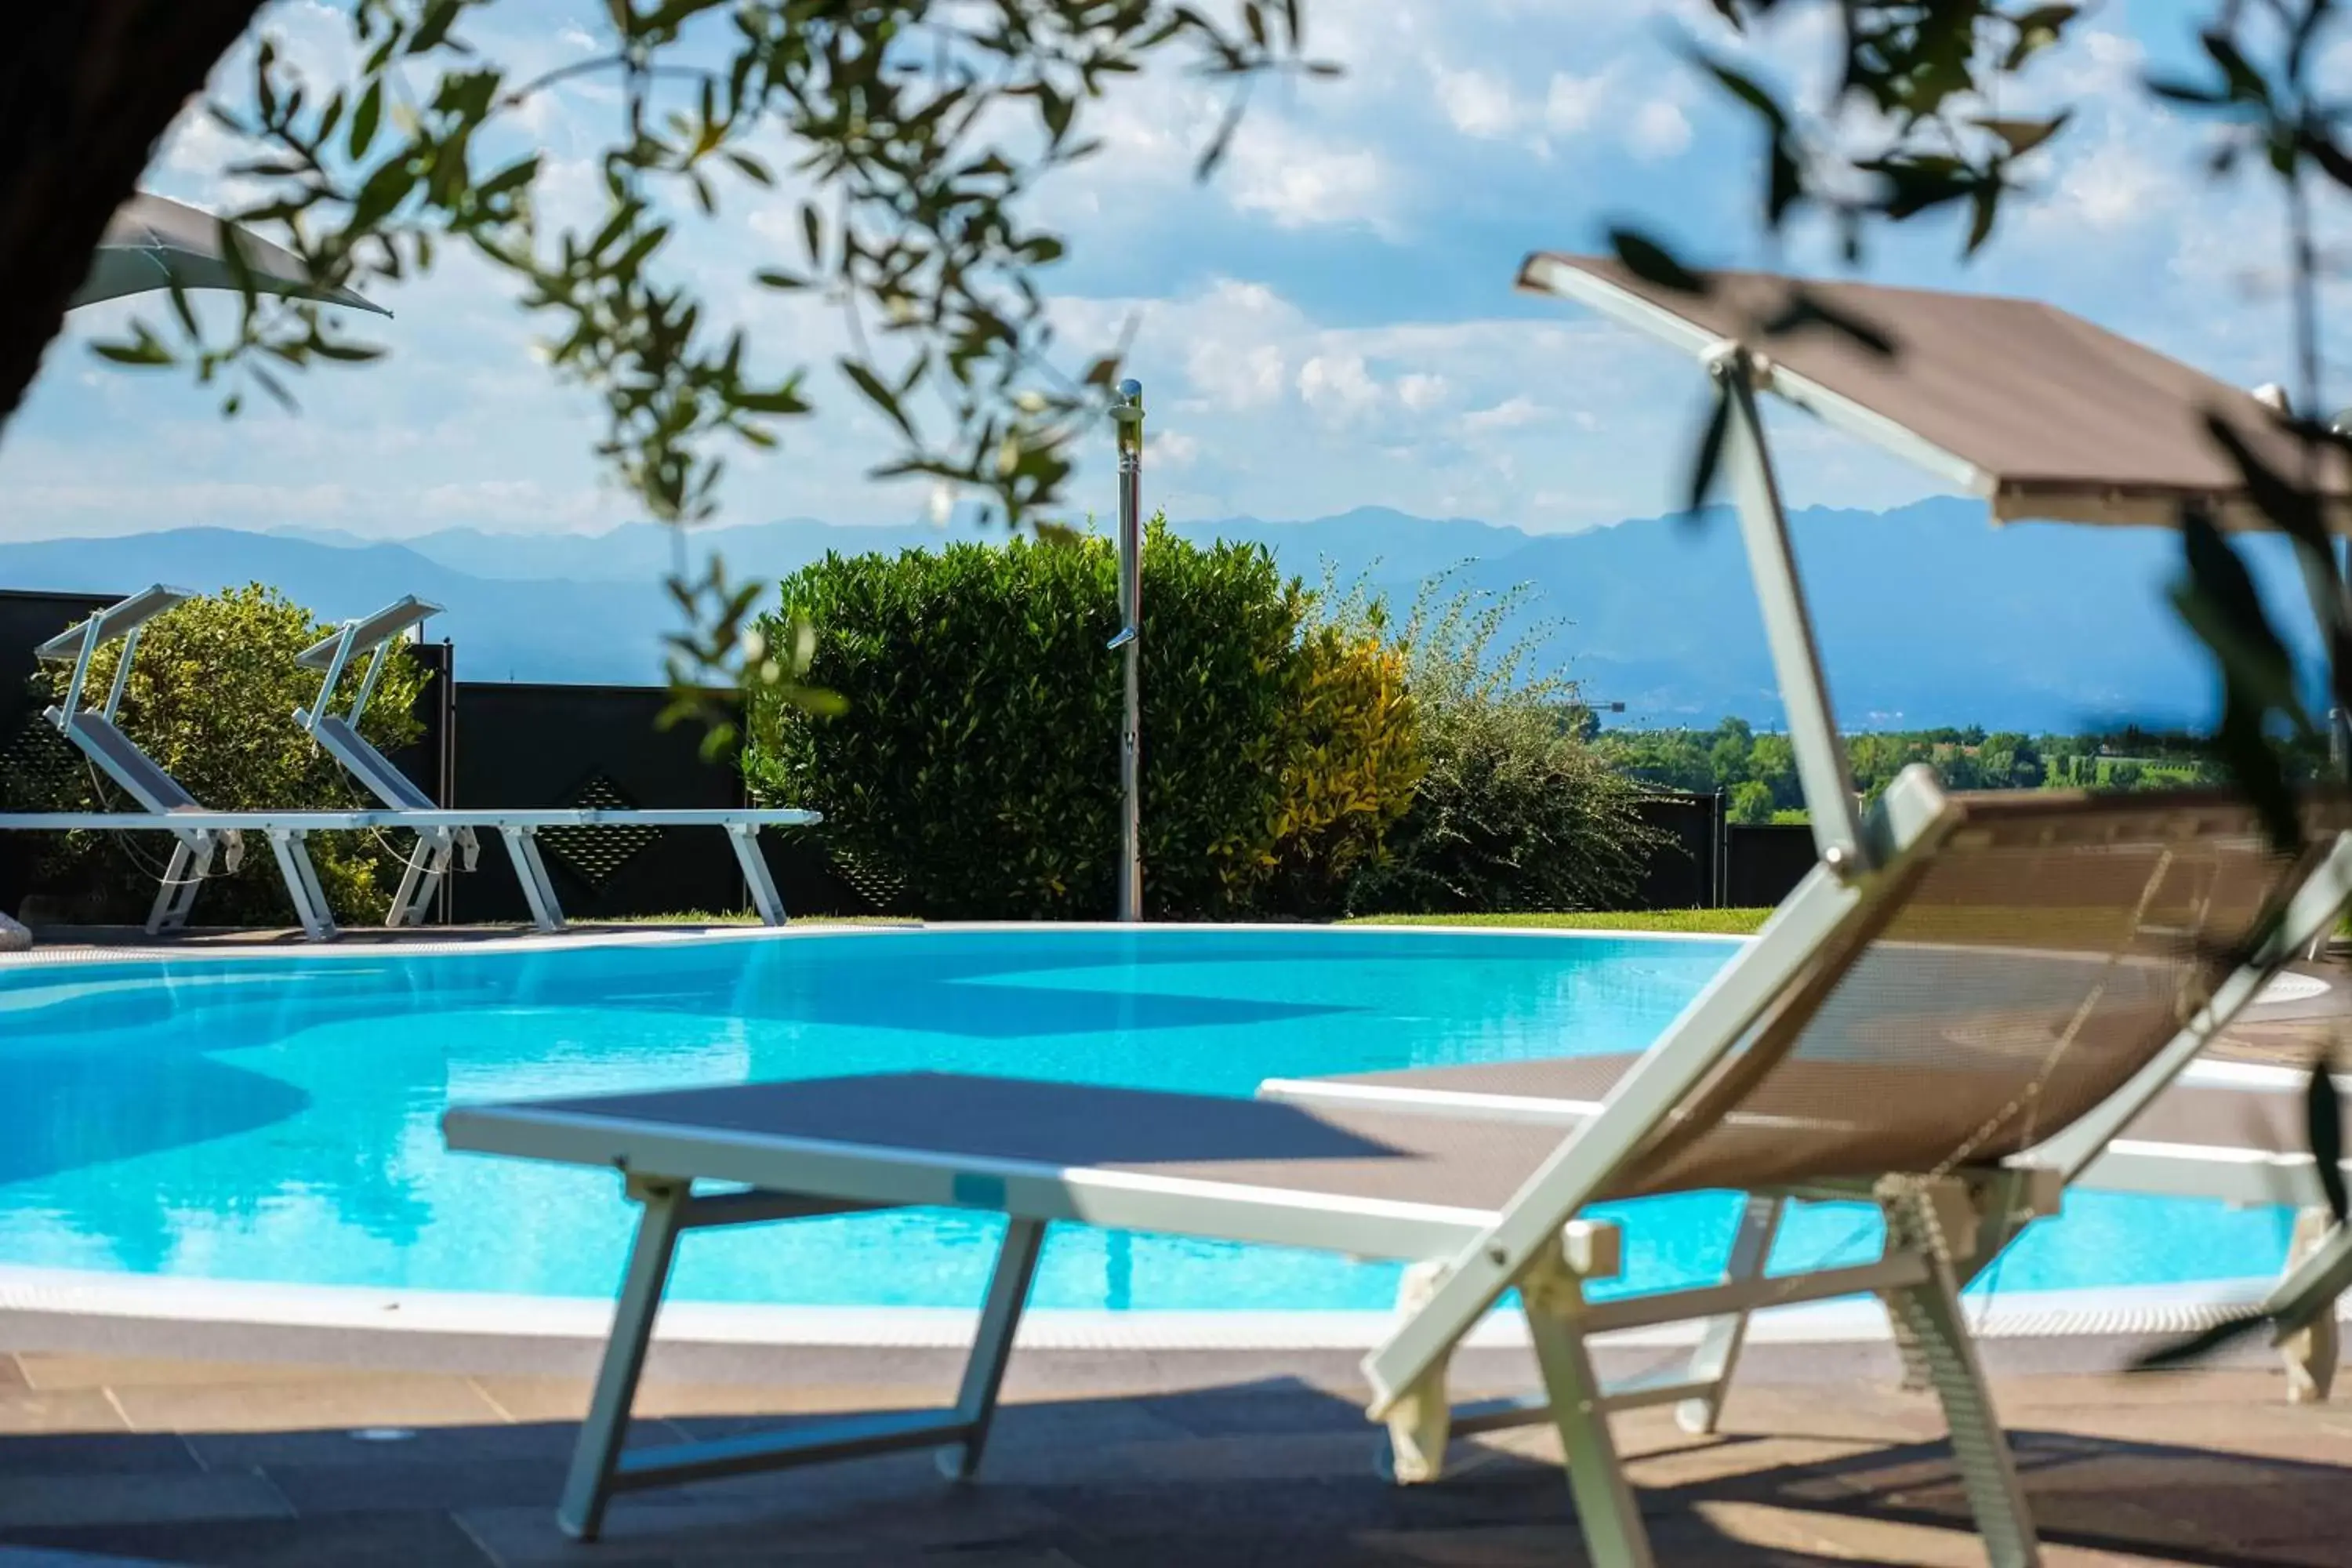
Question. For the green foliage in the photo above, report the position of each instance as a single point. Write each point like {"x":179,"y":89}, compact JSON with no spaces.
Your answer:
{"x":211,"y":697}
{"x":1515,"y":811}
{"x":906,"y":140}
{"x":1699,"y":923}
{"x":1759,"y":772}
{"x":974,"y":755}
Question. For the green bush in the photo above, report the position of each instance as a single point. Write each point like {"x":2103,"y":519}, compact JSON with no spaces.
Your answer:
{"x":974,"y":760}
{"x":211,"y":697}
{"x":1515,"y":810}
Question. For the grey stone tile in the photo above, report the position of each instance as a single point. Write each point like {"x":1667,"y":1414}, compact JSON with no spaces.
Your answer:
{"x":55,"y":1501}
{"x":1214,"y":1413}
{"x":421,"y":1445}
{"x":388,"y":1539}
{"x":756,"y":1515}
{"x":94,"y":1453}
{"x":442,"y":1486}
{"x":1266,"y":1548}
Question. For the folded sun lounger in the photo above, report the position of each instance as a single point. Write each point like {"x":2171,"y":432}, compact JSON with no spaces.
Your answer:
{"x":1877,"y":1042}
{"x":120,"y":758}
{"x":200,"y":833}
{"x":372,"y":637}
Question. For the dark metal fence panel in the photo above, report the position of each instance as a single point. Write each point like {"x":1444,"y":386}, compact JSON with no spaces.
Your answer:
{"x":1765,"y":863}
{"x":1681,"y":873}
{"x":530,"y":745}
{"x":26,"y":621}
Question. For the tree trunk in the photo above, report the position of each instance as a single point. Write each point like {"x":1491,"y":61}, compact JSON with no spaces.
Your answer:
{"x":87,"y":88}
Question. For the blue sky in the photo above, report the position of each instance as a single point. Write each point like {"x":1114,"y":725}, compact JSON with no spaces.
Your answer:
{"x":1329,"y":323}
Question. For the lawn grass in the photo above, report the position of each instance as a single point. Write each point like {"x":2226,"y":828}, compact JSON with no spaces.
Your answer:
{"x":746,"y":917}
{"x":1713,"y":922}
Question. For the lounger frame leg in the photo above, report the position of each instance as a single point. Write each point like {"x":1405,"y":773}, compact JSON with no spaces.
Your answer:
{"x":530,"y":871}
{"x":191,"y":863}
{"x":590,"y":1485}
{"x":1606,"y":1509}
{"x":991,"y":1347}
{"x":1419,"y":1427}
{"x":1930,"y":1312}
{"x":601,"y":1467}
{"x":428,"y":864}
{"x":2318,"y":1265}
{"x":292,"y":847}
{"x":1722,"y":1338}
{"x":765,"y":898}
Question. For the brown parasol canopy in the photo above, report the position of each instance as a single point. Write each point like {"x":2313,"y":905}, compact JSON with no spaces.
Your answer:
{"x":2043,"y":414}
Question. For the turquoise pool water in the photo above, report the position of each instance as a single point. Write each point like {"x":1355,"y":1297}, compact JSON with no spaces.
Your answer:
{"x":276,"y":1118}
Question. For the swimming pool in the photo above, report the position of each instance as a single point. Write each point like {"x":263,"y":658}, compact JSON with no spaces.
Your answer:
{"x":275,"y":1118}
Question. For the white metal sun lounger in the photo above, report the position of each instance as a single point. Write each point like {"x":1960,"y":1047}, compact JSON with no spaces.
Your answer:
{"x":95,"y":734}
{"x":1989,"y":395}
{"x":200,"y":834}
{"x":372,"y":637}
{"x":2234,"y":1137}
{"x":1772,"y":1081}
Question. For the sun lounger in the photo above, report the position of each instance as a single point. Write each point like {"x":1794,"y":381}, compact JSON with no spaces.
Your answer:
{"x":1773,"y":1082}
{"x":372,"y":637}
{"x":115,"y":754}
{"x":199,"y":833}
{"x":2233,"y":1138}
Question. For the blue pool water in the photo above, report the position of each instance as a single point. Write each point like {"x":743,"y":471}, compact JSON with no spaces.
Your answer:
{"x":277,"y":1118}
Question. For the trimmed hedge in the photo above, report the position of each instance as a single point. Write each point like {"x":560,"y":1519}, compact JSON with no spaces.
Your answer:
{"x":975,"y":758}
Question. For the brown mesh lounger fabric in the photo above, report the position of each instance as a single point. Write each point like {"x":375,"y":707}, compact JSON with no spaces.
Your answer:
{"x":2014,"y":965}
{"x":2221,"y":1121}
{"x":2046,"y":415}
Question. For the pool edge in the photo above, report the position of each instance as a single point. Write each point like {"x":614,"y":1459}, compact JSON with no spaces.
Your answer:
{"x":124,"y":1309}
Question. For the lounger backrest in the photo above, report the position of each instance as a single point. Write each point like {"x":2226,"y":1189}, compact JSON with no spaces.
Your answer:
{"x":127,"y":765}
{"x":2033,"y":961}
{"x":370,"y":766}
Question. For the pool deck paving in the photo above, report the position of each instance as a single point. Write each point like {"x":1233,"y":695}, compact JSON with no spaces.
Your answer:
{"x":1144,"y":1460}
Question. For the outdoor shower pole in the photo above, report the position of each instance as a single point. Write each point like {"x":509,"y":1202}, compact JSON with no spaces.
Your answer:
{"x":1128,"y":414}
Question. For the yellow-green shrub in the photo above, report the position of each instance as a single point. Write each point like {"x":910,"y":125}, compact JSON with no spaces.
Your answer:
{"x":1351,"y":760}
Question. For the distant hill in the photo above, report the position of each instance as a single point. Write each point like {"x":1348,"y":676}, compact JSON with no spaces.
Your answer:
{"x":1928,"y":614}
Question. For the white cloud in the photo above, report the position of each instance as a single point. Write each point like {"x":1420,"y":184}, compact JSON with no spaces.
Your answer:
{"x":1478,"y":104}
{"x":1420,"y":391}
{"x":2117,"y":186}
{"x":1337,"y":385}
{"x":1298,"y":180}
{"x":1572,"y":103}
{"x":1659,"y":131}
{"x":1508,"y":414}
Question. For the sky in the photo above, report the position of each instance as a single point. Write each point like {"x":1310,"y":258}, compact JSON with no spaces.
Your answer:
{"x":1328,"y":322}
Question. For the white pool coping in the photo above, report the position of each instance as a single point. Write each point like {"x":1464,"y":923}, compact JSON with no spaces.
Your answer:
{"x":126,"y":1300}
{"x":659,"y":935}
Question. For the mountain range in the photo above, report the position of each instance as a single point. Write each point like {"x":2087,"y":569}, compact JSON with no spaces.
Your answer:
{"x":1927,"y":615}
